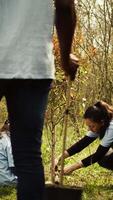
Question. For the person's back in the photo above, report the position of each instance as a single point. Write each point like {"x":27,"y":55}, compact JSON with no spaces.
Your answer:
{"x":26,"y":39}
{"x":6,"y":161}
{"x":26,"y":73}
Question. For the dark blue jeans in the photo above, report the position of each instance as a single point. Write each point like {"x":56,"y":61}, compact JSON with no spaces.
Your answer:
{"x":26,"y":103}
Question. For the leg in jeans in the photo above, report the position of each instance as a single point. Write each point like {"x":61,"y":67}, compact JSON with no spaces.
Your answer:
{"x":26,"y":103}
{"x":107,"y":161}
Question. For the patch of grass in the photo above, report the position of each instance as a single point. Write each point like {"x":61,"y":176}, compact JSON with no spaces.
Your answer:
{"x":92,"y":192}
{"x":97,"y":182}
{"x":7,"y":193}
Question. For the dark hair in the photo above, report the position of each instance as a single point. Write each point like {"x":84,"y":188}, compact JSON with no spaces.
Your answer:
{"x":100,"y":112}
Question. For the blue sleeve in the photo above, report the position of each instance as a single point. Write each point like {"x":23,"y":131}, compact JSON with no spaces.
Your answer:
{"x":9,"y":154}
{"x":107,"y":140}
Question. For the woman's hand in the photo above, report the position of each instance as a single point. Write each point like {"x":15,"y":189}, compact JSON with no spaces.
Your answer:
{"x":68,"y":170}
{"x":58,"y":160}
{"x":57,"y":163}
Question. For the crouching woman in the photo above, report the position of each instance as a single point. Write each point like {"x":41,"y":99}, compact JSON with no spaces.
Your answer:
{"x":99,"y":119}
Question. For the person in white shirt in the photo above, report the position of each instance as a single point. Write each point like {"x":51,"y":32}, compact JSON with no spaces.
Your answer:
{"x":7,"y":176}
{"x":26,"y":72}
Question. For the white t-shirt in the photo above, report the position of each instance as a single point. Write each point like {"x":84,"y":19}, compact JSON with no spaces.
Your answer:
{"x":107,"y":140}
{"x":26,"y":39}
